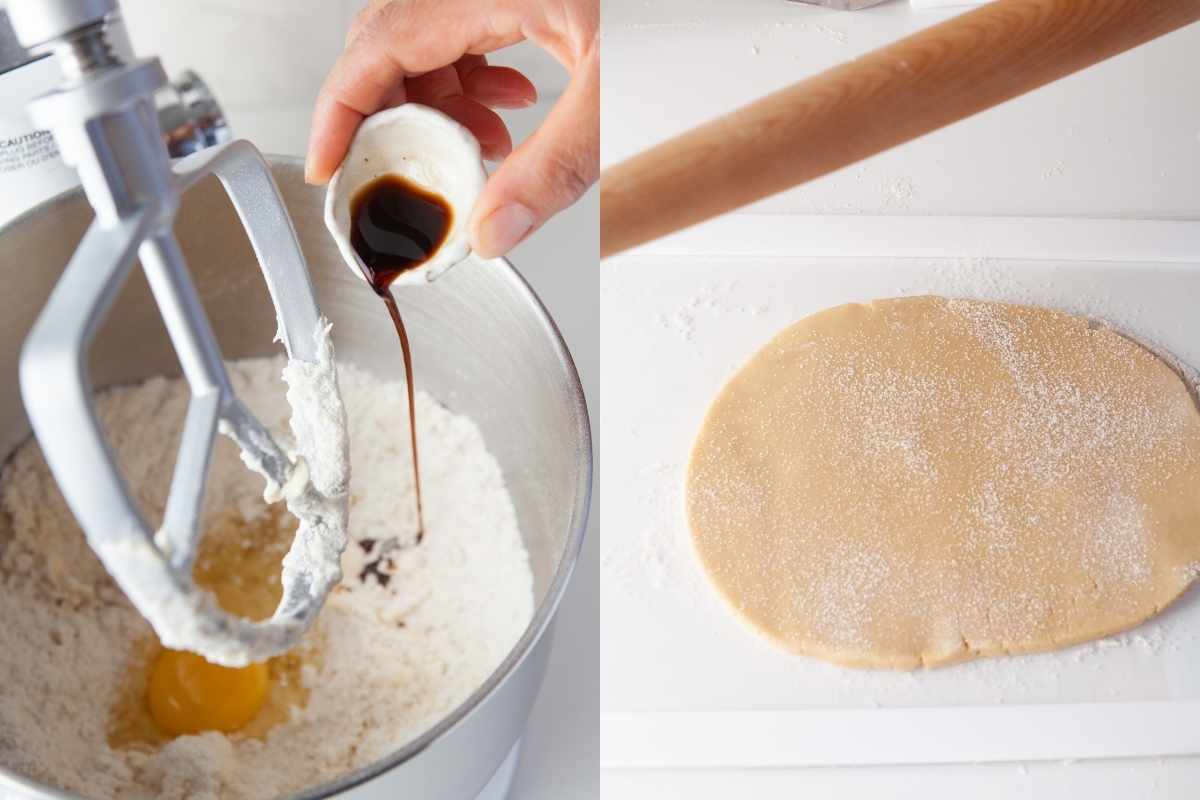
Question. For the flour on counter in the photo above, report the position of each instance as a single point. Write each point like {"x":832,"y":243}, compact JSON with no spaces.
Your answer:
{"x":705,"y":305}
{"x":409,"y":633}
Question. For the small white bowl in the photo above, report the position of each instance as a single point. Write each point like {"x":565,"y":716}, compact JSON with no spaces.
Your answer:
{"x":429,"y":149}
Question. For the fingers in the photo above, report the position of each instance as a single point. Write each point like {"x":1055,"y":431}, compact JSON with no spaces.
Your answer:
{"x":468,"y":64}
{"x":495,"y":142}
{"x":548,"y":172}
{"x":443,"y":90}
{"x":496,"y":87}
{"x":390,"y":42}
{"x":398,"y":51}
{"x":363,"y":80}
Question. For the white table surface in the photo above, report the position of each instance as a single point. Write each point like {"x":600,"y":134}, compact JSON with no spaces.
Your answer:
{"x":1120,"y":140}
{"x":265,"y":60}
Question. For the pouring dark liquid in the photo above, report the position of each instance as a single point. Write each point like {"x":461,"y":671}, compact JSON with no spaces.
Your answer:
{"x":396,"y":226}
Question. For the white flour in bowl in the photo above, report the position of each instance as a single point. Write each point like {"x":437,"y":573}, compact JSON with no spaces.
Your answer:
{"x":411,"y":631}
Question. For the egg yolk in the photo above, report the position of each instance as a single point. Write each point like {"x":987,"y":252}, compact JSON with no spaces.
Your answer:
{"x":188,"y":694}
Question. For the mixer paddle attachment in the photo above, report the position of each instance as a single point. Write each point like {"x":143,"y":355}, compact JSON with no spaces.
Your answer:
{"x":103,"y":119}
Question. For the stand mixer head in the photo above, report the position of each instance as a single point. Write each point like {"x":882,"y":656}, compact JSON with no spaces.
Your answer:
{"x":103,"y":119}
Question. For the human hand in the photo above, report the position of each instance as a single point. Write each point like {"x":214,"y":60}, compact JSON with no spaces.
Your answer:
{"x":433,"y":52}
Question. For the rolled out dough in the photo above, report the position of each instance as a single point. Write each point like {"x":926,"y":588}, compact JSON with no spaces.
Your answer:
{"x":920,"y":481}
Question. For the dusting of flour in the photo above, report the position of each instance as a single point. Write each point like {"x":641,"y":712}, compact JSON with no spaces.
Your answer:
{"x":409,"y":633}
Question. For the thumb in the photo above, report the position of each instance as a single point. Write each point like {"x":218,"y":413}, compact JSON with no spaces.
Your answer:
{"x":548,"y":172}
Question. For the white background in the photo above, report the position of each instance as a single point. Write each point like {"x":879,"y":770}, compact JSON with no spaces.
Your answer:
{"x":265,"y":61}
{"x":1120,"y":140}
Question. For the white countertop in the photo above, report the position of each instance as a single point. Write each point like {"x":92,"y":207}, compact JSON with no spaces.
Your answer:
{"x":1120,"y":140}
{"x":265,"y":61}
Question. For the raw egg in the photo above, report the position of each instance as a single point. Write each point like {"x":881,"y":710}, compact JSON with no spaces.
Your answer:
{"x":172,"y":693}
{"x":188,"y":694}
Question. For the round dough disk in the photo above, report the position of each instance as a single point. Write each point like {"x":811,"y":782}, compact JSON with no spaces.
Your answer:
{"x":920,"y":481}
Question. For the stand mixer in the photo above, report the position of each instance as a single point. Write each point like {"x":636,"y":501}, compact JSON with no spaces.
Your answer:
{"x":508,"y":370}
{"x":104,"y":121}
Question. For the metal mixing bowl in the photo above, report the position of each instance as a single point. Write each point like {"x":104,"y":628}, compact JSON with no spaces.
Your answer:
{"x":483,"y":345}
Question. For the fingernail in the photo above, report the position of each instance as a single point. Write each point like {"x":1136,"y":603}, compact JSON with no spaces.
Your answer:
{"x":513,"y":101}
{"x":310,"y":175}
{"x":503,"y":229}
{"x":496,"y":151}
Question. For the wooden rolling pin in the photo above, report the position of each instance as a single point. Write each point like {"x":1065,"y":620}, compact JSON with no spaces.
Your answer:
{"x":863,"y":107}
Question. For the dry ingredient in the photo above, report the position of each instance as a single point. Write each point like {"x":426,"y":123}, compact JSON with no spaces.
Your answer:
{"x":315,"y":495}
{"x":409,"y":633}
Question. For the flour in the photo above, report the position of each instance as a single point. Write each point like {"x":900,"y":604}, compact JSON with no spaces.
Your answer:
{"x":708,"y":302}
{"x":409,"y":633}
{"x":186,"y":617}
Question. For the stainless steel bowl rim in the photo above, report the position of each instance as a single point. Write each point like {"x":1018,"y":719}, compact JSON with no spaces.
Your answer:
{"x":542,"y":617}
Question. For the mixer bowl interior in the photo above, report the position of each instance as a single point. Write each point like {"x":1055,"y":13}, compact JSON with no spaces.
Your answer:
{"x":482,"y":345}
